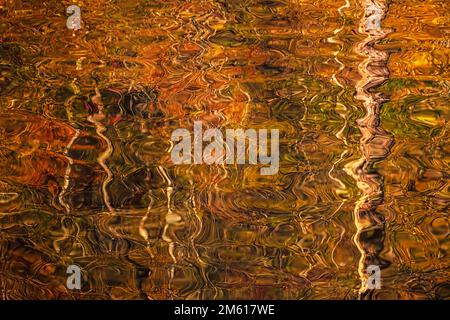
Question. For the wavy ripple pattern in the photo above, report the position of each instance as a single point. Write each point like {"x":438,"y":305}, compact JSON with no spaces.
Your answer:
{"x":85,"y":171}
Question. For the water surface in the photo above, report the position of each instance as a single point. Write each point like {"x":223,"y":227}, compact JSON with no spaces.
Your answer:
{"x":86,"y":176}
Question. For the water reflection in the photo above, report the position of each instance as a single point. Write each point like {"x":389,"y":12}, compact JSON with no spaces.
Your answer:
{"x":86,"y":177}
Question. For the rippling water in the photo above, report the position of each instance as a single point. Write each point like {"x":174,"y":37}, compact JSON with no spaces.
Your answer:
{"x":360,"y":91}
